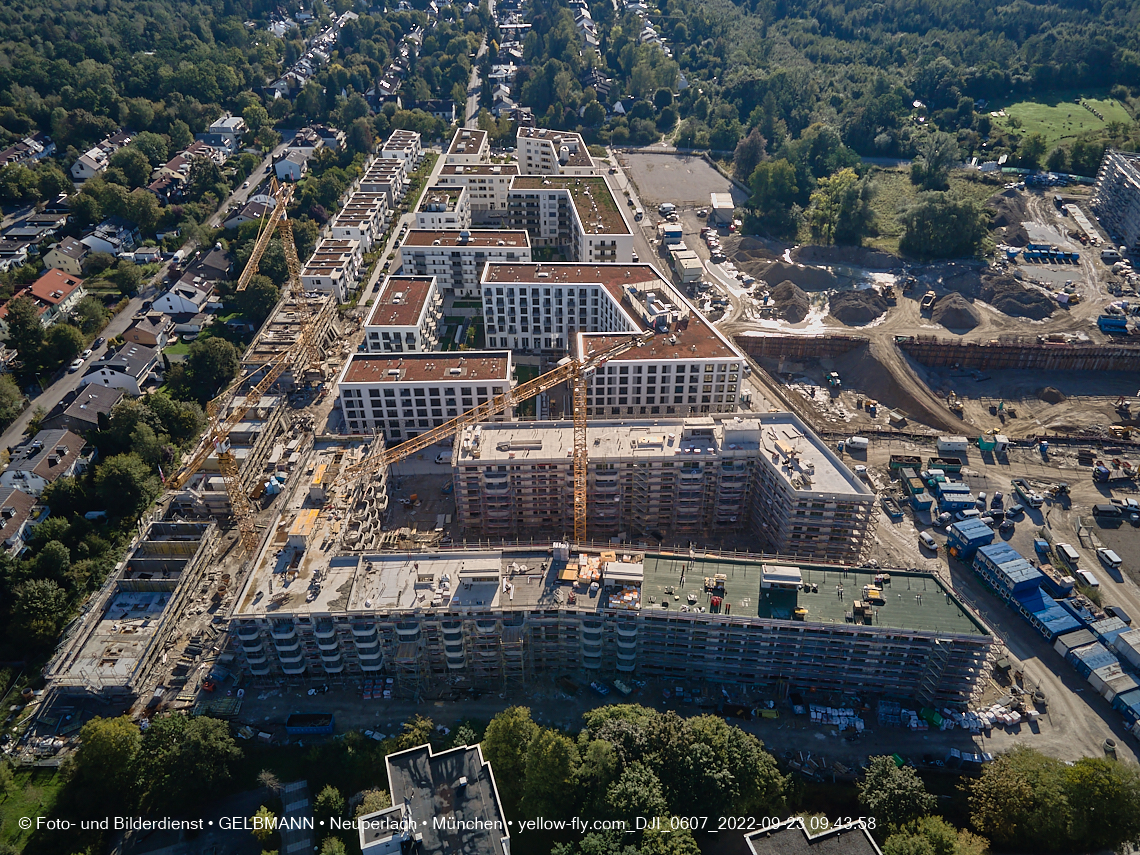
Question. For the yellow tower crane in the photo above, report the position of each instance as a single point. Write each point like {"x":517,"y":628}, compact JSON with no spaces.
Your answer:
{"x":574,"y":370}
{"x":304,"y":353}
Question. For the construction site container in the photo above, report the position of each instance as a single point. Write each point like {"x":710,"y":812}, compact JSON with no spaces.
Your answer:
{"x":299,"y":724}
{"x":953,"y":445}
{"x":1001,"y":443}
{"x":1004,"y":568}
{"x":1090,"y":657}
{"x":1070,"y":641}
{"x":1127,"y":647}
{"x":1128,"y":704}
{"x":903,"y":461}
{"x":1110,"y":681}
{"x":946,"y":464}
{"x":964,"y":538}
{"x":922,"y":501}
{"x":986,"y":443}
{"x":1108,"y":629}
{"x":1112,"y":324}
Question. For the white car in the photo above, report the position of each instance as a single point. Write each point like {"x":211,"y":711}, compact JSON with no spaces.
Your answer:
{"x":75,"y":366}
{"x":926,"y":540}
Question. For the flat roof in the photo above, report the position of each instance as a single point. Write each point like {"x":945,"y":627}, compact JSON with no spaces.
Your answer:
{"x":467,"y":141}
{"x":471,"y":365}
{"x":579,"y":153}
{"x":591,"y":195}
{"x":401,"y":301}
{"x":437,"y":195}
{"x":806,"y":459}
{"x":474,"y":238}
{"x":504,"y":169}
{"x":691,"y":339}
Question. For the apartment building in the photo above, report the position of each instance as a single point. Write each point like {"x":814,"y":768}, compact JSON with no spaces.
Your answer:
{"x":559,"y":308}
{"x":457,"y":259}
{"x":334,"y":268}
{"x":402,"y":395}
{"x":468,"y":146}
{"x":686,"y":476}
{"x":492,"y":619}
{"x":406,"y":317}
{"x":363,"y":218}
{"x":444,"y":208}
{"x":406,"y":146}
{"x":487,"y":187}
{"x":579,"y":217}
{"x":542,"y":151}
{"x":385,"y":176}
{"x":1116,"y":197}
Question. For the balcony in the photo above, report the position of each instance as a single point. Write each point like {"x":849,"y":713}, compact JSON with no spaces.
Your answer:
{"x":369,"y":655}
{"x":331,"y":668}
{"x":626,"y":644}
{"x":298,"y":656}
{"x":408,"y":631}
{"x":330,"y":655}
{"x":248,"y":631}
{"x":328,"y":644}
{"x":324,"y":630}
{"x":284,"y":633}
{"x":288,"y":647}
{"x":256,"y":647}
{"x":626,"y":667}
{"x":371,"y":667}
{"x":363,"y":629}
{"x":259,"y":671}
{"x":259,"y":659}
{"x":293,"y":670}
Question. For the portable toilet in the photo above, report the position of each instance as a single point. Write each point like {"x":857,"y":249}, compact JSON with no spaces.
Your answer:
{"x":986,"y":443}
{"x":1001,"y":443}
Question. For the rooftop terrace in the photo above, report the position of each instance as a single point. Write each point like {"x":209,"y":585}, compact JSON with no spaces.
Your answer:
{"x":597,"y":208}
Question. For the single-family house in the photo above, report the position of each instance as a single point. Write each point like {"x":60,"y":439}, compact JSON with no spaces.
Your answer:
{"x":56,"y":294}
{"x":128,"y":369}
{"x":17,"y":517}
{"x":80,"y":409}
{"x":153,"y":330}
{"x":28,"y":150}
{"x":188,"y":325}
{"x":51,"y":455}
{"x":215,"y":266}
{"x":292,"y":167}
{"x":232,"y":128}
{"x":148,"y":255}
{"x":113,"y":235}
{"x":68,"y":255}
{"x":184,"y":298}
{"x":250,"y":211}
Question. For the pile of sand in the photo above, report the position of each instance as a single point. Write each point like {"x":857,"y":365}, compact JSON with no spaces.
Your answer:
{"x":1009,"y":212}
{"x":1008,"y":295}
{"x":855,"y":308}
{"x":793,"y":302}
{"x":860,"y":256}
{"x":955,"y":313}
{"x":1051,"y":395}
{"x":808,"y":278}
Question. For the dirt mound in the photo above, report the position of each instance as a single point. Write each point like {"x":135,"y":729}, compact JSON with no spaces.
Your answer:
{"x":792,"y":300}
{"x":967,"y":282}
{"x":1051,"y":395}
{"x":1008,"y":295}
{"x":855,"y":308}
{"x":808,"y":278}
{"x":954,"y":313}
{"x":857,"y":255}
{"x":1010,"y":211}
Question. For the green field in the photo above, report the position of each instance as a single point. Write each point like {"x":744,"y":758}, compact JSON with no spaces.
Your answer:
{"x":33,"y":795}
{"x":1060,"y":118}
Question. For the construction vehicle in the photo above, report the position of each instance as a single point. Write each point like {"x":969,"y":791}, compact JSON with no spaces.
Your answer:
{"x":1121,"y":471}
{"x":928,"y":300}
{"x":834,"y":382}
{"x":954,"y":403}
{"x":889,"y":294}
{"x":1028,"y":495}
{"x":569,"y":369}
{"x":305,"y":353}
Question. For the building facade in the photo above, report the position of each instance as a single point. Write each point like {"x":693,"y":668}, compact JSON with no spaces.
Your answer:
{"x":406,"y":146}
{"x":487,"y":187}
{"x":334,"y":268}
{"x":578,"y":217}
{"x":1116,"y":197}
{"x":385,"y":176}
{"x":468,"y":146}
{"x":457,"y":259}
{"x":444,"y":208}
{"x":403,"y":395}
{"x":363,"y":218}
{"x":542,"y":151}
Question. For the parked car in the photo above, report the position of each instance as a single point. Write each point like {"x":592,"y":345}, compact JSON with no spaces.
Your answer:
{"x":86,"y":353}
{"x":996,"y":501}
{"x":99,"y":342}
{"x":925,"y":539}
{"x":75,"y":366}
{"x":1006,"y":526}
{"x":1014,"y":509}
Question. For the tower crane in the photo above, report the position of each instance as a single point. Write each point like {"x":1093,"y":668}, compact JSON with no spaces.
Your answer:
{"x":304,"y":352}
{"x":574,"y":370}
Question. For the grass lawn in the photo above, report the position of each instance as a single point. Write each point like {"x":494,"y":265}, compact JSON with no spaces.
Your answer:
{"x":1060,"y":118}
{"x":894,"y":192}
{"x":33,"y":794}
{"x":181,"y":348}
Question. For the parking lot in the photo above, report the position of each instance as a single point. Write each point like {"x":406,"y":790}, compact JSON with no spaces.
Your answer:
{"x":679,"y":178}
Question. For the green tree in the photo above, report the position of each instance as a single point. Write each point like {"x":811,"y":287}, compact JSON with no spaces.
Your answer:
{"x":11,"y":400}
{"x":263,"y":824}
{"x":774,"y":192}
{"x":940,"y":225}
{"x":666,"y":840}
{"x":25,"y":332}
{"x":551,"y":773}
{"x":62,"y":343}
{"x":417,"y":731}
{"x":153,"y":146}
{"x":125,"y":485}
{"x":662,"y":98}
{"x":257,"y":300}
{"x":373,"y":801}
{"x":53,"y":561}
{"x":359,"y":137}
{"x":749,"y":152}
{"x":888,"y":791}
{"x":85,"y":209}
{"x":594,"y":115}
{"x":332,"y":846}
{"x":1106,"y":799}
{"x":39,"y":607}
{"x":505,"y":746}
{"x":210,"y":366}
{"x":841,"y":208}
{"x":255,"y":117}
{"x":134,"y":165}
{"x":90,"y":314}
{"x":1031,"y":150}
{"x":636,"y":793}
{"x":127,"y":277}
{"x":937,"y":154}
{"x":183,"y":761}
{"x":1020,"y":801}
{"x":328,"y":805}
{"x":102,"y":770}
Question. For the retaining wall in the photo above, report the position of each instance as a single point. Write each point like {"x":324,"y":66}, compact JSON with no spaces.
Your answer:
{"x":797,"y":346}
{"x":988,"y":356}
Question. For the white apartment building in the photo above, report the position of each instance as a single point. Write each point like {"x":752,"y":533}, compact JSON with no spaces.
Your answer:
{"x":402,"y":395}
{"x":1116,"y":198}
{"x":363,"y":218}
{"x":457,"y":259}
{"x":387,"y":177}
{"x":444,"y":208}
{"x":334,"y":268}
{"x":487,"y":187}
{"x":468,"y":146}
{"x":689,"y":368}
{"x":406,"y":317}
{"x":577,"y":216}
{"x":542,"y":151}
{"x":406,"y":146}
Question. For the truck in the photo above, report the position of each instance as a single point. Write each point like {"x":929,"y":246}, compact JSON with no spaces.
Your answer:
{"x":1103,"y":475}
{"x":1112,"y":324}
{"x":858,"y":443}
{"x":927,"y":304}
{"x":1028,"y":495}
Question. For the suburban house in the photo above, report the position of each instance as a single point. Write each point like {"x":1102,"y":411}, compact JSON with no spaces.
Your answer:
{"x":153,"y":330}
{"x":250,"y":211}
{"x":188,"y":325}
{"x":128,"y":369}
{"x":51,"y":455}
{"x":292,"y":167}
{"x":80,"y":409}
{"x":230,"y":128}
{"x":94,"y":160}
{"x":16,"y":519}
{"x":438,"y":108}
{"x":68,"y":255}
{"x":55,"y":294}
{"x":215,"y":266}
{"x":113,"y":235}
{"x":28,"y":150}
{"x":184,"y":297}
{"x":148,"y":255}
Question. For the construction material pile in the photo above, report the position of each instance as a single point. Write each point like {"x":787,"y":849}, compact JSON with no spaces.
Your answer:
{"x":955,"y":313}
{"x":792,"y":300}
{"x":1010,"y":296}
{"x":856,"y":308}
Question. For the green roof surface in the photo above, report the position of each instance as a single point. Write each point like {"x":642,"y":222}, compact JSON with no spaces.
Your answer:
{"x":911,"y":601}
